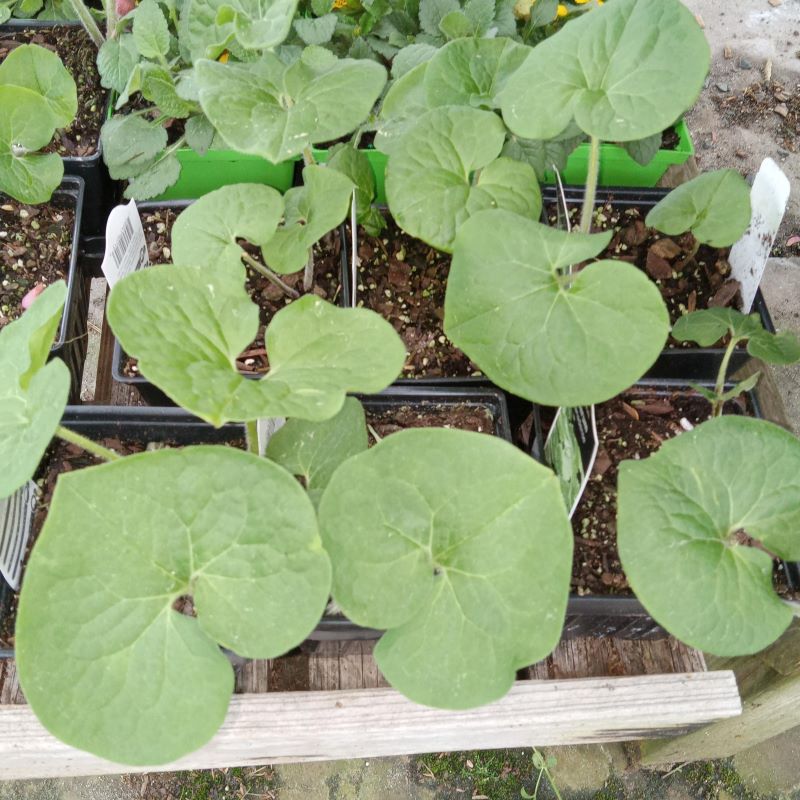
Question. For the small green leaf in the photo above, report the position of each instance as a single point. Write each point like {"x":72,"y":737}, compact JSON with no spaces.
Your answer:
{"x":199,"y":33}
{"x":313,"y":209}
{"x":774,"y":348}
{"x":543,"y":12}
{"x":709,"y":325}
{"x":199,"y":134}
{"x":187,"y":325}
{"x":273,"y":110}
{"x":743,"y":386}
{"x":100,"y":649}
{"x":260,"y":24}
{"x":705,"y":392}
{"x":27,"y":124}
{"x":206,"y":233}
{"x":481,"y":14}
{"x":432,"y":12}
{"x":159,"y":88}
{"x":714,"y":206}
{"x":316,"y":30}
{"x":33,"y":394}
{"x":131,"y":144}
{"x":40,"y":70}
{"x":354,"y":163}
{"x":315,"y":450}
{"x":430,"y":179}
{"x":623,"y":72}
{"x":150,"y":30}
{"x":455,"y":25}
{"x":643,"y":151}
{"x":555,"y":339}
{"x":154,"y":180}
{"x":411,"y":56}
{"x":434,"y":534}
{"x":543,"y":156}
{"x":116,"y":60}
{"x":681,"y":515}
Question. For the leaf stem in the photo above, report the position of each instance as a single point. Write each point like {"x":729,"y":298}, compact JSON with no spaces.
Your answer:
{"x":719,"y":388}
{"x":591,"y":185}
{"x":112,"y":18}
{"x":251,"y":426}
{"x":87,"y":20}
{"x":308,"y":272}
{"x":308,"y":157}
{"x":87,"y":444}
{"x":269,"y":275}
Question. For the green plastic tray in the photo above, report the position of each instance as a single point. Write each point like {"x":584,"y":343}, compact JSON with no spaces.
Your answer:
{"x":377,"y":161}
{"x":617,"y":168}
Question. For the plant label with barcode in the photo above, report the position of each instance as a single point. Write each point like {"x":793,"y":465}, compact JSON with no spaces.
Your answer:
{"x":16,"y":522}
{"x":126,"y":246}
{"x":265,"y":427}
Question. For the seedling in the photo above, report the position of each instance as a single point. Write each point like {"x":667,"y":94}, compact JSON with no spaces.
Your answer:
{"x":37,"y":96}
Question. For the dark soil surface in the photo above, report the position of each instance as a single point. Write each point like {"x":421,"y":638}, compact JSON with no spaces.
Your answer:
{"x":35,"y":249}
{"x":405,"y":280}
{"x":270,"y":299}
{"x":75,"y":49}
{"x":64,"y":457}
{"x":688,"y":280}
{"x":670,"y":139}
{"x":463,"y":417}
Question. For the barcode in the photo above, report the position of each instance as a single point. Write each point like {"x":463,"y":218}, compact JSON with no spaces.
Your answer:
{"x":122,"y":243}
{"x":16,"y":516}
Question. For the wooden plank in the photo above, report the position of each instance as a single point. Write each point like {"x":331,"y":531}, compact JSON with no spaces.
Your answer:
{"x":10,"y":692}
{"x":367,"y":723}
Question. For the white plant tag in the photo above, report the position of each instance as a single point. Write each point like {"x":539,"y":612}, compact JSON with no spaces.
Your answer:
{"x":571,"y":450}
{"x":16,"y":521}
{"x":748,"y":258}
{"x":354,"y":259}
{"x":266,"y":426}
{"x":126,"y":246}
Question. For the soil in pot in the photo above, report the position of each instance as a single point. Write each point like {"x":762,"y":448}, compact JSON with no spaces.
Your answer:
{"x":35,"y":249}
{"x":405,"y":281}
{"x":76,"y":50}
{"x":270,"y":299}
{"x":465,"y":417}
{"x":63,"y":457}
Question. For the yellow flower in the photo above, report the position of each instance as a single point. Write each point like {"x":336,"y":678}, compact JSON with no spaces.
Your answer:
{"x":562,"y":10}
{"x":339,"y":3}
{"x":223,"y":59}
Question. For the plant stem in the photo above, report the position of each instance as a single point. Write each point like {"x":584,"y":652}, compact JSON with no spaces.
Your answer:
{"x":269,"y":275}
{"x":251,"y":426}
{"x":87,"y":444}
{"x":308,"y":157}
{"x":112,"y":18}
{"x":87,"y":20}
{"x":591,"y":185}
{"x":308,"y":272}
{"x":719,"y":389}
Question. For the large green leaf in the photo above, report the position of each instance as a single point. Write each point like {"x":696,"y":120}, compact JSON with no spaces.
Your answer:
{"x":105,"y":661}
{"x":40,"y":70}
{"x":714,"y":206}
{"x":187,"y":325}
{"x":556,"y":339}
{"x":276,"y":111}
{"x":32,"y":393}
{"x":446,"y":168}
{"x":683,"y":515}
{"x":259,"y":25}
{"x":312,"y":210}
{"x":206,"y":234}
{"x":459,"y":544}
{"x":315,"y":450}
{"x":625,"y":71}
{"x":472,"y":72}
{"x":26,"y":125}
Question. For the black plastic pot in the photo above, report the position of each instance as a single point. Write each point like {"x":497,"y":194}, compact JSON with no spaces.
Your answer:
{"x":681,"y":364}
{"x":146,"y":423}
{"x":71,"y":341}
{"x":624,"y":617}
{"x":101,"y":191}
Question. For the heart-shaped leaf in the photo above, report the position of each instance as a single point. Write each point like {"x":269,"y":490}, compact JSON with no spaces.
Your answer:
{"x":187,"y":325}
{"x":435,"y":534}
{"x":714,"y":206}
{"x":315,"y":450}
{"x":105,"y":661}
{"x":556,"y":339}
{"x":445,"y":169}
{"x":27,"y":124}
{"x":775,"y":348}
{"x":33,"y":394}
{"x":276,"y":111}
{"x":313,"y":209}
{"x":206,"y":234}
{"x":625,"y":71}
{"x":686,"y":516}
{"x":40,"y":70}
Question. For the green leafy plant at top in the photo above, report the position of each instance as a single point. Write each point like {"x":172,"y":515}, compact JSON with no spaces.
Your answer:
{"x":543,"y":764}
{"x":41,"y":9}
{"x":37,"y":96}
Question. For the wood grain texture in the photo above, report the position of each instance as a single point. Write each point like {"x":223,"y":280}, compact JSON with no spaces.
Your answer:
{"x":365,"y":723}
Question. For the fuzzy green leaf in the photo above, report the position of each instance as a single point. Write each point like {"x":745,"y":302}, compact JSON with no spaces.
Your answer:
{"x":543,"y":156}
{"x":443,"y":558}
{"x":410,"y":57}
{"x":33,"y":394}
{"x":623,"y":72}
{"x":159,"y":88}
{"x":116,"y":60}
{"x":150,"y":30}
{"x":430,"y":177}
{"x":316,"y":30}
{"x":102,"y":654}
{"x":775,"y":348}
{"x":199,"y":134}
{"x":681,"y":512}
{"x":155,"y":180}
{"x":315,"y":450}
{"x":131,"y":145}
{"x":354,"y":163}
{"x":432,"y":12}
{"x":714,"y":206}
{"x":555,"y":339}
{"x":206,"y":233}
{"x":187,"y":325}
{"x":643,"y":151}
{"x":708,"y":325}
